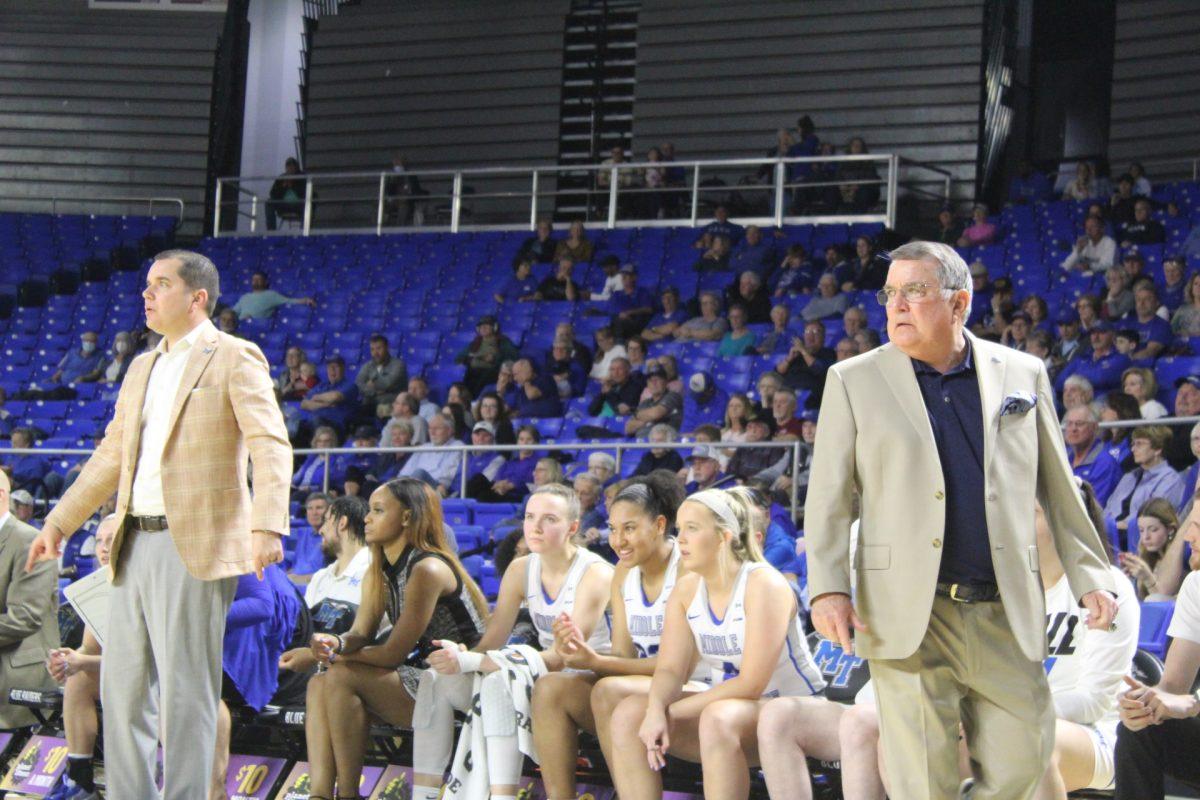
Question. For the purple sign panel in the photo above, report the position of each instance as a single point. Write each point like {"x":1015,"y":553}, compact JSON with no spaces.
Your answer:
{"x":252,"y":777}
{"x":38,"y":767}
{"x":297,"y":784}
{"x":394,"y":784}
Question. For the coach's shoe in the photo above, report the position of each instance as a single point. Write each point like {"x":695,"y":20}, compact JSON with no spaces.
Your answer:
{"x":966,"y":789}
{"x":69,"y":790}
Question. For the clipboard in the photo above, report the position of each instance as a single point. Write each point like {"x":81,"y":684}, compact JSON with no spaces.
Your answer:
{"x":89,"y":597}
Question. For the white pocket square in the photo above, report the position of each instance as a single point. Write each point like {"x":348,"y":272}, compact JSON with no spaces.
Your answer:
{"x":1018,"y":403}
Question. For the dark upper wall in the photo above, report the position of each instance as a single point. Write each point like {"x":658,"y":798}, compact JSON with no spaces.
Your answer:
{"x":1156,"y":86}
{"x":718,"y":77}
{"x":104,"y":103}
{"x":448,"y":82}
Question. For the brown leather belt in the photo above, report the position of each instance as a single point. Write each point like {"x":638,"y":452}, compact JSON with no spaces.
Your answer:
{"x":148,"y":524}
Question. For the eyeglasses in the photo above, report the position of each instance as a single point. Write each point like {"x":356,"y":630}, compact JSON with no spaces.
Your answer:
{"x":913,"y":292}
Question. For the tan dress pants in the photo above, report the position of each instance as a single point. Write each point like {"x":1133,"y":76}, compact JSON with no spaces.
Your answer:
{"x":969,"y":668}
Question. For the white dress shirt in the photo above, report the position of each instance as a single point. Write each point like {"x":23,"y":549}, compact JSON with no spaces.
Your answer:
{"x":147,"y":497}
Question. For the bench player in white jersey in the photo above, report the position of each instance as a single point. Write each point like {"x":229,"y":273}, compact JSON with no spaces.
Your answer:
{"x":1085,"y":668}
{"x":557,"y":577}
{"x":737,"y":616}
{"x":641,"y":523}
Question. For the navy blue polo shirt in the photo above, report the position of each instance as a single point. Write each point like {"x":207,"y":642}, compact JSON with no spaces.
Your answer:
{"x":956,"y":415}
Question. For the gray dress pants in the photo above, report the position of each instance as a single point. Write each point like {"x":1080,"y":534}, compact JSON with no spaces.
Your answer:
{"x":165,"y":633}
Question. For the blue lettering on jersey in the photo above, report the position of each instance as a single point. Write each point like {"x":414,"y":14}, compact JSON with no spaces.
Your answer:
{"x":645,"y":624}
{"x":712,"y":644}
{"x":543,"y":622}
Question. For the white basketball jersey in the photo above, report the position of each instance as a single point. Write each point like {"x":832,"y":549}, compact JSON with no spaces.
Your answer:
{"x":544,"y":609}
{"x":720,"y":643}
{"x":645,"y":618}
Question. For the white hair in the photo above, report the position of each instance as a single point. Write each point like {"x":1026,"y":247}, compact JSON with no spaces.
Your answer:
{"x":1079,"y":382}
{"x":953,"y":274}
{"x":603,"y":460}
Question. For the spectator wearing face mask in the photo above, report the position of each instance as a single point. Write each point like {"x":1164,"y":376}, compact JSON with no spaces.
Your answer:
{"x":80,"y":362}
{"x":112,"y":371}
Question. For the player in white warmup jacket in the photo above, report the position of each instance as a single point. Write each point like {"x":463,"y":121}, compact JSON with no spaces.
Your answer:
{"x":736,"y":616}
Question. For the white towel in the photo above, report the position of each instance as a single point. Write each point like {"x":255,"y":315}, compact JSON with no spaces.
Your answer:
{"x":504,"y":711}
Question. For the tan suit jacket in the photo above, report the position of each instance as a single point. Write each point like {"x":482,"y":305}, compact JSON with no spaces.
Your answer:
{"x":28,"y":620}
{"x":875,"y":437}
{"x":224,"y":410}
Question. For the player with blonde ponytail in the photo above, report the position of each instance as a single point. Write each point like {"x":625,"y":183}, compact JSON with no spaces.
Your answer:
{"x":737,"y":616}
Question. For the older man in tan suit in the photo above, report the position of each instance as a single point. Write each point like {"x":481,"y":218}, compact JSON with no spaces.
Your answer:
{"x":948,"y":440}
{"x":188,"y":415}
{"x":28,"y":614}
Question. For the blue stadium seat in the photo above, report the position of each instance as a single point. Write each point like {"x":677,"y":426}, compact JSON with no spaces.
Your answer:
{"x":1152,"y":635}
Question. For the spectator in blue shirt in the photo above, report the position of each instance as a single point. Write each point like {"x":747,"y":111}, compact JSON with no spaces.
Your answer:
{"x":512,"y":480}
{"x":567,"y":372}
{"x":335,"y":400}
{"x":1154,"y":332}
{"x":1103,"y":368}
{"x":311,"y":475}
{"x":720,"y":226}
{"x":1153,"y":477}
{"x":28,"y":471}
{"x":1190,"y":474}
{"x":1029,"y":185}
{"x":483,"y":463}
{"x":797,"y":275}
{"x":77,"y":363}
{"x":807,"y":144}
{"x":754,"y":252}
{"x":304,"y":556}
{"x":663,"y":324}
{"x":522,"y":286}
{"x":706,"y":470}
{"x":1174,"y":283}
{"x":632,"y":306}
{"x":703,"y":403}
{"x":1090,"y":459}
{"x":532,"y":394}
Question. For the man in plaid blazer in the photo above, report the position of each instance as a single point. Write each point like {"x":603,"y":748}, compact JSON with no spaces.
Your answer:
{"x":188,"y":415}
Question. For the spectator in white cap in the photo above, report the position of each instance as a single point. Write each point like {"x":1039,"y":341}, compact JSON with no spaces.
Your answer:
{"x":21,"y":503}
{"x":706,"y":470}
{"x":484,"y":462}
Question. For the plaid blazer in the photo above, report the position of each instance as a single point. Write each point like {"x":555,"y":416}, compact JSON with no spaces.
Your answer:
{"x":224,"y":411}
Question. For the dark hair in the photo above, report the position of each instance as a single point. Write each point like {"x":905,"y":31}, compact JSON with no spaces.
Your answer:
{"x":354,"y":511}
{"x":459,"y":414}
{"x":506,"y":550}
{"x":656,"y":494}
{"x":501,"y":408}
{"x":197,"y":272}
{"x":378,"y":337}
{"x":317,"y":496}
{"x":1096,"y":515}
{"x":426,"y":531}
{"x":537,"y":435}
{"x":805,"y":125}
{"x":1126,"y":406}
{"x":336,"y":359}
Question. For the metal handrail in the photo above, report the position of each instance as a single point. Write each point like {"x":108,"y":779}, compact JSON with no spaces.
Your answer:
{"x":618,"y":446}
{"x":614,"y":190}
{"x":54,"y":200}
